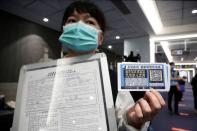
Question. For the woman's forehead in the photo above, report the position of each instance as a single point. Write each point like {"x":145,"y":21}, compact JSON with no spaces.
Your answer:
{"x":82,"y":14}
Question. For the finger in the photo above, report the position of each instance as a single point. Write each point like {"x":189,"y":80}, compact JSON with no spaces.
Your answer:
{"x":153,"y":101}
{"x":134,"y":115}
{"x":159,"y":97}
{"x":138,"y":111}
{"x":146,"y":109}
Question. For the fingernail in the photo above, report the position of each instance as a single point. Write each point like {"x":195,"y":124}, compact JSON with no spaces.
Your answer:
{"x":148,"y":93}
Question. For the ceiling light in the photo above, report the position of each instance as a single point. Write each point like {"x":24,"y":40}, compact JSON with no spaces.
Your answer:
{"x":152,"y":14}
{"x":185,"y":64}
{"x":117,"y":37}
{"x":109,"y":46}
{"x":173,"y":37}
{"x":182,"y":59}
{"x":165,"y":46}
{"x":152,"y":50}
{"x":194,"y":11}
{"x":45,"y":19}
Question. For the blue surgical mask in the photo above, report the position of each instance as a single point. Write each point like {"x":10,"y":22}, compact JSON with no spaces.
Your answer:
{"x":79,"y":37}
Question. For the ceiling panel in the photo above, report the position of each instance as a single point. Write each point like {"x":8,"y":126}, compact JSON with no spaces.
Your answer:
{"x":190,"y":3}
{"x":177,"y":12}
{"x":169,"y":18}
{"x":170,"y":12}
{"x":190,"y":20}
{"x":127,"y":31}
{"x":105,"y":5}
{"x":55,"y":4}
{"x":112,"y":15}
{"x":119,"y":24}
{"x":40,"y":8}
{"x":170,"y":5}
{"x":187,"y":12}
{"x":172,"y":22}
{"x":62,"y":3}
{"x":137,"y":19}
{"x":188,"y":17}
{"x":57,"y":17}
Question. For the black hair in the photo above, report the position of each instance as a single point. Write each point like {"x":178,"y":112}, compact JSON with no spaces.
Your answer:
{"x":85,"y":7}
{"x":171,"y":64}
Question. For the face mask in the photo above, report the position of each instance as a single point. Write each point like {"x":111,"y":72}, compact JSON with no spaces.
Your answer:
{"x":79,"y":37}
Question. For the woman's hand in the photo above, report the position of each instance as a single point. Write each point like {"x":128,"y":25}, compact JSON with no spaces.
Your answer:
{"x":145,"y":109}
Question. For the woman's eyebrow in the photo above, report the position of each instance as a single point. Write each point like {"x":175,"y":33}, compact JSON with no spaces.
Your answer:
{"x":88,"y":16}
{"x":73,"y":15}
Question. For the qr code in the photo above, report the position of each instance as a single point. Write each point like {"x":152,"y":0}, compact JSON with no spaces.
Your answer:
{"x":155,"y":75}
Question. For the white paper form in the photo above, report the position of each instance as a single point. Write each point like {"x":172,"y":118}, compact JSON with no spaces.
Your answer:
{"x":65,"y":98}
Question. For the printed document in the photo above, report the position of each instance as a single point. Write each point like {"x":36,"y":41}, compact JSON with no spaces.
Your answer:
{"x":65,"y":98}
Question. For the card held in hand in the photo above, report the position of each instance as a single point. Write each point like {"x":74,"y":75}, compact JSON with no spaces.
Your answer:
{"x":143,"y":76}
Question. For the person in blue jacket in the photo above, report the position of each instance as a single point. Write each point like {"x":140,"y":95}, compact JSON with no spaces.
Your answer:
{"x":173,"y":89}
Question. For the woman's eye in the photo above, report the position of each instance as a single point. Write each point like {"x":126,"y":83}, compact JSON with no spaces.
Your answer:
{"x":71,"y":21}
{"x":90,"y":22}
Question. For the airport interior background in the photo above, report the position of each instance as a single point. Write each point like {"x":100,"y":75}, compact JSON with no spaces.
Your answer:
{"x":148,"y":30}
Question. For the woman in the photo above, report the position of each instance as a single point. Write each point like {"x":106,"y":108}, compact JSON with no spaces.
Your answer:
{"x":83,"y":32}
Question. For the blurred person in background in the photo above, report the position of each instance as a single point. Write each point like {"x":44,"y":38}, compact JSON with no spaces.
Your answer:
{"x":194,"y":88}
{"x":173,"y":89}
{"x":181,"y":87}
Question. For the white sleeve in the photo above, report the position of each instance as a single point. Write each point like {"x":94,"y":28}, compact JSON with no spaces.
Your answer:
{"x":123,"y":102}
